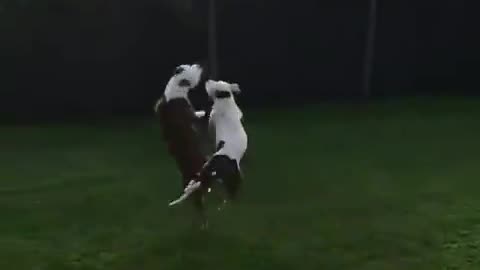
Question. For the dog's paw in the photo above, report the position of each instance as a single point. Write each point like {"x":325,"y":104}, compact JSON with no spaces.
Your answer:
{"x":157,"y":104}
{"x":200,"y":114}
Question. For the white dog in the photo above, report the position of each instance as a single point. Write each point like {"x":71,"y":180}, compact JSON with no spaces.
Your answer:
{"x":231,"y":142}
{"x":226,"y":120}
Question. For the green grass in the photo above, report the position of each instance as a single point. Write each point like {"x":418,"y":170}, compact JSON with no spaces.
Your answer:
{"x":381,"y":186}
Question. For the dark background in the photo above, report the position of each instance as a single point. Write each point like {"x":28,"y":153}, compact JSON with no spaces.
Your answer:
{"x":66,"y":58}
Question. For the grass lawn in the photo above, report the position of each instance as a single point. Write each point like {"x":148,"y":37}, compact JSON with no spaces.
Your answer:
{"x":391,"y":185}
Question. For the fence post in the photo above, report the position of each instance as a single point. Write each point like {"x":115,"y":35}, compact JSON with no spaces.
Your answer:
{"x":370,"y":48}
{"x":212,"y":40}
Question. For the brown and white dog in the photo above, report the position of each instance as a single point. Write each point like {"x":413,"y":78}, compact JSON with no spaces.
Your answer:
{"x":231,"y":141}
{"x":178,"y":121}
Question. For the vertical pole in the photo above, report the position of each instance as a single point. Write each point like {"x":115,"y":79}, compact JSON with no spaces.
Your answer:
{"x":212,"y":40}
{"x":208,"y":137}
{"x":370,"y":48}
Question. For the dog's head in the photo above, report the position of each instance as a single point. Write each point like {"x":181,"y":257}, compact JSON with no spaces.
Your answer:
{"x":222,"y":93}
{"x":187,"y":76}
{"x":221,"y":90}
{"x":184,"y":78}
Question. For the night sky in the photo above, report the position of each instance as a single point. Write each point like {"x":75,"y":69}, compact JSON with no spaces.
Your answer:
{"x":114,"y":57}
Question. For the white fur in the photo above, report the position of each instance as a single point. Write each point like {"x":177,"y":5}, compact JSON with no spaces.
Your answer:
{"x":191,"y":73}
{"x":226,"y":116}
{"x":200,"y":114}
{"x":191,"y":187}
{"x":155,"y":108}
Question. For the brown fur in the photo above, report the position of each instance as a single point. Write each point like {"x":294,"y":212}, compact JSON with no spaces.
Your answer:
{"x":177,"y":120}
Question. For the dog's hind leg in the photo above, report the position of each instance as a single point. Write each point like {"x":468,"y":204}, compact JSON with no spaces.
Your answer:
{"x":199,"y":208}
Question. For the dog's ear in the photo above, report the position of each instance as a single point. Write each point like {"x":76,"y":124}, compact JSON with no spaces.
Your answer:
{"x":209,"y":88}
{"x":235,"y":88}
{"x":208,"y":83}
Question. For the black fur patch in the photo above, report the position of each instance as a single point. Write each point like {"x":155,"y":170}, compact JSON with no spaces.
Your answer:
{"x":178,"y":70}
{"x":220,"y":145}
{"x":224,"y":168}
{"x":184,"y":83}
{"x":222,"y":94}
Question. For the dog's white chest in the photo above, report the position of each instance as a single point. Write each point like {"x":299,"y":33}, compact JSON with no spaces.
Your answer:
{"x":230,"y":130}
